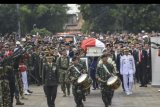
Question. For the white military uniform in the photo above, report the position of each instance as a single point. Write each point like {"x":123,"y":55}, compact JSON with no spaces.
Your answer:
{"x":127,"y":69}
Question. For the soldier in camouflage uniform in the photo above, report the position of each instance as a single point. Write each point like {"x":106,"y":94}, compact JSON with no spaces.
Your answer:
{"x":102,"y":76}
{"x":5,"y":99}
{"x":78,"y":55}
{"x":63,"y":64}
{"x":73,"y":73}
{"x":8,"y":79}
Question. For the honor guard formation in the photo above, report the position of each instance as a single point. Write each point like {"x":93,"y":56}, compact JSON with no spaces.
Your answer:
{"x":103,"y":62}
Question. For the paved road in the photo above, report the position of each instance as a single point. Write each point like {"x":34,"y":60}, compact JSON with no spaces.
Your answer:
{"x":142,"y":97}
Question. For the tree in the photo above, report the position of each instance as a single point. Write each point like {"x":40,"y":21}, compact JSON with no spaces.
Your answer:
{"x":8,"y":18}
{"x":119,"y":17}
{"x":49,"y":16}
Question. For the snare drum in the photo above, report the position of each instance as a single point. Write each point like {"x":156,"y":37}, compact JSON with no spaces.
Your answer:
{"x":84,"y":81}
{"x":114,"y":82}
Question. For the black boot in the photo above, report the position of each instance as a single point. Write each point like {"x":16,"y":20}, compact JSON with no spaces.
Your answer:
{"x":30,"y":91}
{"x":18,"y":102}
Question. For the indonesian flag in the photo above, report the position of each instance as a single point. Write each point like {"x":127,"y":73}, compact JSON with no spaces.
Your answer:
{"x":92,"y":42}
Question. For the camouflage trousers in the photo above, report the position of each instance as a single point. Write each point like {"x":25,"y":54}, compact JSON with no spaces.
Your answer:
{"x":5,"y":92}
{"x":64,"y":83}
{"x":19,"y":83}
{"x":107,"y":95}
{"x":78,"y":95}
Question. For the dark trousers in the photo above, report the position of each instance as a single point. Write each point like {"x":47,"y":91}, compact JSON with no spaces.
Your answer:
{"x":121,"y":78}
{"x":149,"y":75}
{"x":142,"y":74}
{"x":12,"y":90}
{"x":37,"y":75}
{"x":93,"y":77}
{"x":11,"y":79}
{"x":137,"y":73}
{"x":107,"y":95}
{"x":44,"y":89}
{"x":51,"y":92}
{"x":95,"y":84}
{"x":78,"y":95}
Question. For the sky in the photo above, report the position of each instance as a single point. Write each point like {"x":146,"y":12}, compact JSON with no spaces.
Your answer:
{"x":74,"y":8}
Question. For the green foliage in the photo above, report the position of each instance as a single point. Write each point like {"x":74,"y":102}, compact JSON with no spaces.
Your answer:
{"x":8,"y":18}
{"x":49,"y":16}
{"x":120,"y":17}
{"x":41,"y":32}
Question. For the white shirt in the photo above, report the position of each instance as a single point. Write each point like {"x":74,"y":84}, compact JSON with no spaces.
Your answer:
{"x":127,"y":64}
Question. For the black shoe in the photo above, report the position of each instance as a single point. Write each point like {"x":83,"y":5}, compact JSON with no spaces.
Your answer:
{"x":141,"y":86}
{"x":94,"y":89}
{"x":84,"y":99}
{"x":145,"y":85}
{"x":82,"y":105}
{"x":30,"y":91}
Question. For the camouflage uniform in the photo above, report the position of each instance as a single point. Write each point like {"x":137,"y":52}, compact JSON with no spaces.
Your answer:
{"x":107,"y":93}
{"x":18,"y":82}
{"x":85,"y":92}
{"x":76,"y":89}
{"x":5,"y":87}
{"x":63,"y":64}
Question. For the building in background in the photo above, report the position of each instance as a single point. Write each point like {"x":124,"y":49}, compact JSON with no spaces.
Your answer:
{"x":74,"y":23}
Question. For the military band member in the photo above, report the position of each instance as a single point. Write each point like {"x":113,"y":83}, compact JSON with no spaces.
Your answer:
{"x":127,"y":69}
{"x":50,"y":80}
{"x":74,"y":72}
{"x":103,"y":73}
{"x":63,"y":64}
{"x":79,"y":55}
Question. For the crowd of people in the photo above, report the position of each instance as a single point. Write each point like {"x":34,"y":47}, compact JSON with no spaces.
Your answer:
{"x":51,"y":61}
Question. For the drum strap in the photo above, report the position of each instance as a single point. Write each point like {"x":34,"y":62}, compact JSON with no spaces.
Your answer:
{"x":77,"y":70}
{"x":106,"y":69}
